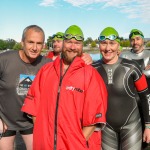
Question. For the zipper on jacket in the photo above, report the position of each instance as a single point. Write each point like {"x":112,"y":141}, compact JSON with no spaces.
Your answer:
{"x":87,"y":144}
{"x":57,"y":103}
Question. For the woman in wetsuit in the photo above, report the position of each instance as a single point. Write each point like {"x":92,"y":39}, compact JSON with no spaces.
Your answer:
{"x":124,"y":80}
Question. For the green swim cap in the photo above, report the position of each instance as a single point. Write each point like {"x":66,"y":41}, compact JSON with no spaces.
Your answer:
{"x":74,"y":32}
{"x":136,"y":32}
{"x":109,"y":33}
{"x":58,"y":36}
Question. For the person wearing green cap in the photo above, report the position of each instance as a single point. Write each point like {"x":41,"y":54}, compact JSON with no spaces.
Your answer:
{"x":137,"y":53}
{"x":124,"y":80}
{"x":57,"y":44}
{"x":57,"y":41}
{"x":68,"y":100}
{"x":140,"y":55}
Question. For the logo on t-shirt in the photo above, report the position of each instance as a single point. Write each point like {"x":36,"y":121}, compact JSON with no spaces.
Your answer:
{"x":25,"y":82}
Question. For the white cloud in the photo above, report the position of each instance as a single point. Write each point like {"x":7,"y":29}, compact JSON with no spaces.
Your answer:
{"x":47,"y":3}
{"x":133,"y":8}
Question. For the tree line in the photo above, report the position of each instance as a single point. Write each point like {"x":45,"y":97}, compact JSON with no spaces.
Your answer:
{"x":12,"y":44}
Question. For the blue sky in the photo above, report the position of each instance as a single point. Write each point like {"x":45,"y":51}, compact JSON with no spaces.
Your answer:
{"x":91,"y":15}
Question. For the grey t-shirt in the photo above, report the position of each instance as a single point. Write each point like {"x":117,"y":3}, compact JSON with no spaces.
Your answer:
{"x":16,"y":77}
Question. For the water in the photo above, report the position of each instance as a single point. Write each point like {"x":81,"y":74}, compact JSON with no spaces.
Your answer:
{"x":96,"y":57}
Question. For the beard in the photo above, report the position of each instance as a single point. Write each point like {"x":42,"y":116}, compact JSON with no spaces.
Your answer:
{"x":67,"y":59}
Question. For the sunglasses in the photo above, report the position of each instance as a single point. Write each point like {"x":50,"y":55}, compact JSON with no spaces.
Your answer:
{"x":77,"y":37}
{"x":135,"y":33}
{"x":110,"y":37}
{"x":57,"y":35}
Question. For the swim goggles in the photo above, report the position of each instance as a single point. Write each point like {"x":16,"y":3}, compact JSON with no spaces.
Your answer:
{"x":77,"y":37}
{"x":110,"y":37}
{"x":57,"y":35}
{"x":135,"y":33}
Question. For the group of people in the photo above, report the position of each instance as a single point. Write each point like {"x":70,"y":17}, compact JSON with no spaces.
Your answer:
{"x":63,"y":101}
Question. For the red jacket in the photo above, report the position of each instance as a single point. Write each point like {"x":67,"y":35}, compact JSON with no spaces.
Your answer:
{"x":50,"y":55}
{"x":60,"y":117}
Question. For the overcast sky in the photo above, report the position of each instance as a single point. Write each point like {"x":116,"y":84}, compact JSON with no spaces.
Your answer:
{"x":91,"y":15}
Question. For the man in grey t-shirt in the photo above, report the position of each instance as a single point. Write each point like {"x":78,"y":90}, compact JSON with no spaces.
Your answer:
{"x":17,"y":71}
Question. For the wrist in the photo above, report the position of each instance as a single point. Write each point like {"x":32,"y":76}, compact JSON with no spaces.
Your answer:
{"x":147,"y":126}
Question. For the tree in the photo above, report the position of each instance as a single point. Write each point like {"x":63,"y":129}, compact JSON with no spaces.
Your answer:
{"x":93,"y":44}
{"x":125,"y":43}
{"x":17,"y":46}
{"x":49,"y":42}
{"x":148,"y":44}
{"x":88,"y":41}
{"x":3,"y":45}
{"x":10,"y":43}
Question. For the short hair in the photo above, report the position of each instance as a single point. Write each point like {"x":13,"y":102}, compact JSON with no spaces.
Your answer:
{"x":33,"y":27}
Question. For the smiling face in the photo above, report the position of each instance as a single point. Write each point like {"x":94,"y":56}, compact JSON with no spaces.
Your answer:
{"x":71,"y":49}
{"x":109,"y":50}
{"x":57,"y":46}
{"x":137,"y":43}
{"x":32,"y":45}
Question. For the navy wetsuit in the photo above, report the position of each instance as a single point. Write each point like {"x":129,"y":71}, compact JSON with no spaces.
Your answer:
{"x":124,"y":80}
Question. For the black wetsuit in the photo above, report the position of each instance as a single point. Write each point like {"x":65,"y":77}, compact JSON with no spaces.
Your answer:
{"x":124,"y":80}
{"x":143,"y":59}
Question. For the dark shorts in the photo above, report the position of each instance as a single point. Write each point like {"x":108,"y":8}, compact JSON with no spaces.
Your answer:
{"x":13,"y":132}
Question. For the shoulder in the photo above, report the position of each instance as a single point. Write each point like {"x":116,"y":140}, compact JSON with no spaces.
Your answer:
{"x":130,"y":63}
{"x":147,"y":51}
{"x":45,"y":59}
{"x":41,"y":60}
{"x":97,"y":64}
{"x":47,"y":66}
{"x":9,"y":55}
{"x":126,"y":54}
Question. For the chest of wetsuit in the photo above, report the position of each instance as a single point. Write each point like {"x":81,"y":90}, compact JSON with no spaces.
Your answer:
{"x":120,"y":79}
{"x":142,"y":59}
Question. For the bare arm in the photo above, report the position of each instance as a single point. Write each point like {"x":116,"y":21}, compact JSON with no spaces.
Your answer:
{"x":3,"y":126}
{"x":87,"y":131}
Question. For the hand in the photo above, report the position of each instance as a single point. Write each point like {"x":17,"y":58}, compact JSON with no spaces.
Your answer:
{"x":87,"y":58}
{"x":147,"y":67}
{"x":146,"y":135}
{"x":3,"y":126}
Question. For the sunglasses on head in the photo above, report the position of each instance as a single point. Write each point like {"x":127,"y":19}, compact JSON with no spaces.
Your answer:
{"x":57,"y":35}
{"x":135,"y":33}
{"x":77,"y":37}
{"x":110,"y":37}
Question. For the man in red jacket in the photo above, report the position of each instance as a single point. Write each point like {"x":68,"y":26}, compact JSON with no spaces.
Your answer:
{"x":57,"y":43}
{"x":68,"y":100}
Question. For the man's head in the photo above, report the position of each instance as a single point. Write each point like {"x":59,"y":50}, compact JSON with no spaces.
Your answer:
{"x":73,"y":43}
{"x":57,"y":42}
{"x":32,"y":42}
{"x":136,"y":38}
{"x":109,"y":45}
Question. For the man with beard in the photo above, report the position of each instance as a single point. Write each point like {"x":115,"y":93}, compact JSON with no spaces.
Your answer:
{"x":138,"y":54}
{"x":57,"y":44}
{"x":67,"y":100}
